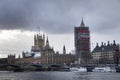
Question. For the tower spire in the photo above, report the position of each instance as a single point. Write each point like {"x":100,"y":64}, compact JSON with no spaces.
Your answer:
{"x":47,"y":42}
{"x":35,"y":38}
{"x":64,"y":50}
{"x":82,"y":23}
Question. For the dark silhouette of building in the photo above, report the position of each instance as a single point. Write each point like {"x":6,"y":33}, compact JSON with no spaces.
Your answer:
{"x":9,"y":60}
{"x":82,"y":43}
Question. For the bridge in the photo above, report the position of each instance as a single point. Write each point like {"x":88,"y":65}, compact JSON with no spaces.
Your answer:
{"x":11,"y":67}
{"x":33,"y":67}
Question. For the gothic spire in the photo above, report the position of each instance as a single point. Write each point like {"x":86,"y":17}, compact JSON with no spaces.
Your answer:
{"x":82,"y":24}
{"x":64,"y":50}
{"x":43,"y":36}
{"x":47,"y":42}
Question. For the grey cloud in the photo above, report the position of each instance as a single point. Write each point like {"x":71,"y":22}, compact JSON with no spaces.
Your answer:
{"x":59,"y":16}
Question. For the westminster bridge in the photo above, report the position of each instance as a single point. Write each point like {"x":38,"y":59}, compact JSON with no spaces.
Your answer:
{"x":32,"y":67}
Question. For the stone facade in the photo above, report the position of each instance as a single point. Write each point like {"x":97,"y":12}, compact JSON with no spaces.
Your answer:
{"x":106,"y":54}
{"x":47,"y":53}
{"x":9,"y":60}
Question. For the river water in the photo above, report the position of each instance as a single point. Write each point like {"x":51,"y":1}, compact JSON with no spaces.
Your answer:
{"x":59,"y":76}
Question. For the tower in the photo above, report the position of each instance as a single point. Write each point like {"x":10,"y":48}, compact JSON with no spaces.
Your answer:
{"x":47,"y":42}
{"x":39,"y":42}
{"x":82,"y":42}
{"x":64,"y":50}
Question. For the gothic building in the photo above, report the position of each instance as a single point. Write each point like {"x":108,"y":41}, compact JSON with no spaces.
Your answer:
{"x":39,"y":42}
{"x":107,"y":54}
{"x":82,"y":43}
{"x":43,"y":53}
{"x":9,"y":60}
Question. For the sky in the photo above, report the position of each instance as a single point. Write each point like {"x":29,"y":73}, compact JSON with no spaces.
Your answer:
{"x":19,"y":20}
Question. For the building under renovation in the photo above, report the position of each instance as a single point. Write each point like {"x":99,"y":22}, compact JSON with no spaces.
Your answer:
{"x":82,"y":43}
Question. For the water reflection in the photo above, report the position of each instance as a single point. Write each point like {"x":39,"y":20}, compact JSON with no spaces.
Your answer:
{"x":58,"y":76}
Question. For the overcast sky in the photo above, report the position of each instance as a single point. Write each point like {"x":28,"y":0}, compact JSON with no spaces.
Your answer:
{"x":19,"y":20}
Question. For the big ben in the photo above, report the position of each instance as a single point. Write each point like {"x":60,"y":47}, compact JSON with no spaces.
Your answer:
{"x":82,"y":42}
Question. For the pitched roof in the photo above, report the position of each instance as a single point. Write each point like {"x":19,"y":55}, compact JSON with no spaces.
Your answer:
{"x":105,"y":48}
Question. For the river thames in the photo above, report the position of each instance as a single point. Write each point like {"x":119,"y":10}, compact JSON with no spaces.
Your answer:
{"x":59,"y":76}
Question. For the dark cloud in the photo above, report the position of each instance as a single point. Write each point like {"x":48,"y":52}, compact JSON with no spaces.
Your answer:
{"x":59,"y":16}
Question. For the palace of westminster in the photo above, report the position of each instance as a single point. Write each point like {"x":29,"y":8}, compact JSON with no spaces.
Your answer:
{"x":43,"y":53}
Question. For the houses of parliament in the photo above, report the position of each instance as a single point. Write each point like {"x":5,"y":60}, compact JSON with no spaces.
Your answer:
{"x":43,"y":53}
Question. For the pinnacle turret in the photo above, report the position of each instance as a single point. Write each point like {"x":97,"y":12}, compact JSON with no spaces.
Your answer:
{"x":47,"y":42}
{"x":64,"y":50}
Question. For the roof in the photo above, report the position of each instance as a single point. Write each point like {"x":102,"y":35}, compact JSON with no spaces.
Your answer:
{"x":105,"y":48}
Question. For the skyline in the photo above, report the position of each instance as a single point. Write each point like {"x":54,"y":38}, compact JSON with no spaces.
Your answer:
{"x":19,"y":20}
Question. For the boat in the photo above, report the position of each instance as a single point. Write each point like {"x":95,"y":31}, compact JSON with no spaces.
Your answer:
{"x":103,"y":69}
{"x":74,"y":69}
{"x":99,"y":69}
{"x":81,"y":69}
